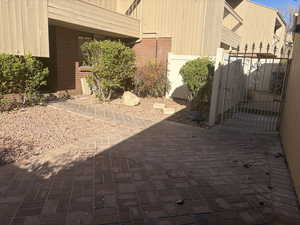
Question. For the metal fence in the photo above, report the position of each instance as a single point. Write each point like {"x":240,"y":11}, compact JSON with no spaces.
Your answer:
{"x":252,"y":87}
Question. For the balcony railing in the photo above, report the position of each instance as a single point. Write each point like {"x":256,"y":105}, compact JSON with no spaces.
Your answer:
{"x":233,"y":13}
{"x":132,"y":8}
{"x":230,"y":38}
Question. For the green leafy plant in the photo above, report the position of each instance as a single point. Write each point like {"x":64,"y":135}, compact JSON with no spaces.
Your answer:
{"x":197,"y":76}
{"x":23,"y":75}
{"x":151,"y":80}
{"x":113,"y":67}
{"x":7,"y":104}
{"x":35,"y":78}
{"x":11,"y":69}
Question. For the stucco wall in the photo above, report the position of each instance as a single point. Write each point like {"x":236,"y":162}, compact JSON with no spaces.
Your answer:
{"x":290,"y":126}
{"x":175,"y":63}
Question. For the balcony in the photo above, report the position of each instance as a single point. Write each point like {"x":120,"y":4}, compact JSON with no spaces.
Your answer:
{"x":230,"y":11}
{"x":232,"y":21}
{"x":91,"y":18}
{"x":230,"y":38}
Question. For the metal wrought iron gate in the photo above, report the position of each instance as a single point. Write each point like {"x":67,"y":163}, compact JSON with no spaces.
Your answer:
{"x":253,"y":87}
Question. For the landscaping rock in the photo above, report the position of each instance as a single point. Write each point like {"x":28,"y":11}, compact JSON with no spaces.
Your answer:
{"x":130,"y":99}
{"x":169,"y":111}
{"x":159,"y":106}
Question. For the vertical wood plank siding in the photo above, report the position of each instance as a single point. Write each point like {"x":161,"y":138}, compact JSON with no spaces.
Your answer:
{"x":194,"y":25}
{"x":24,"y":27}
{"x":123,"y":5}
{"x":108,"y":4}
{"x":87,"y":15}
{"x":230,"y":38}
{"x":261,"y":20}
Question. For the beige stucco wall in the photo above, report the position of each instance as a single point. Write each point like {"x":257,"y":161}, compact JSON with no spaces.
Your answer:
{"x":258,"y":25}
{"x":290,"y":126}
{"x":194,"y":25}
{"x":24,"y":27}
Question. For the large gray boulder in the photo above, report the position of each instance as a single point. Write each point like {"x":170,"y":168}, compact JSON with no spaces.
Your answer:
{"x":130,"y":99}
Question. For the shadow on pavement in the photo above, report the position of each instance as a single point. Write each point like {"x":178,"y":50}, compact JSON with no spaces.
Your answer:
{"x":168,"y":173}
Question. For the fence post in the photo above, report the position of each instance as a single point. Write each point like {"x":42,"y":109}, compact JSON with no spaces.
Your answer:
{"x":215,"y":87}
{"x":169,"y":60}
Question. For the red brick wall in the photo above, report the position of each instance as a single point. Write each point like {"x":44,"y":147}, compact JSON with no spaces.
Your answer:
{"x":152,"y":49}
{"x":67,"y":55}
{"x":64,"y":53}
{"x":78,"y":75}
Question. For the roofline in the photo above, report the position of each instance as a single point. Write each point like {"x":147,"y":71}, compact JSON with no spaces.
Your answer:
{"x":281,"y":17}
{"x":267,"y":7}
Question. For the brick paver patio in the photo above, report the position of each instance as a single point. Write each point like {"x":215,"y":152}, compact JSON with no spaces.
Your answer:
{"x":148,"y":174}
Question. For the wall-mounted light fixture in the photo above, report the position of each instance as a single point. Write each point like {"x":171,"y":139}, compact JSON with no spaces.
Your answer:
{"x":296,"y":25}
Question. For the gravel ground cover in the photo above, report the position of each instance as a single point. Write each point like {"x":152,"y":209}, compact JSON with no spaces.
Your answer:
{"x":31,"y":131}
{"x":34,"y":130}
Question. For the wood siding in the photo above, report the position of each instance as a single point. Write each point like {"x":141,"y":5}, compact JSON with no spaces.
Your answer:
{"x":230,"y":38}
{"x":123,"y":5}
{"x":24,"y":27}
{"x":213,"y":27}
{"x":258,"y":25}
{"x":108,"y":4}
{"x":95,"y":19}
{"x":194,"y":25}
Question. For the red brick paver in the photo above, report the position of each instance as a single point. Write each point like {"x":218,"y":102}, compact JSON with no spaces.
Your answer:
{"x":137,"y":176}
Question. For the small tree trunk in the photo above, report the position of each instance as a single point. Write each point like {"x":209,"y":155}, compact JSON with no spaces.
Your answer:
{"x":105,"y":96}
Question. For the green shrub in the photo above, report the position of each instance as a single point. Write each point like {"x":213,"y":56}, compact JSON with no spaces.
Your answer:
{"x":7,"y":104}
{"x":196,"y":74}
{"x":35,"y":77}
{"x":23,"y":75}
{"x":151,"y":80}
{"x":113,"y":67}
{"x":11,"y":69}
